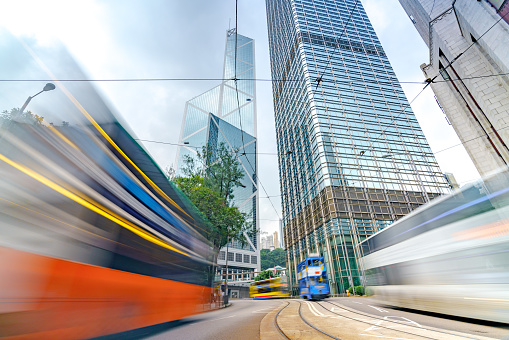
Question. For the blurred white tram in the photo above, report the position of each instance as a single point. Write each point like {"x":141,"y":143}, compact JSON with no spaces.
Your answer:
{"x":450,"y":256}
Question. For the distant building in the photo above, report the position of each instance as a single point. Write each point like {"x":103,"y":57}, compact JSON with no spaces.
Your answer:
{"x":451,"y":180}
{"x":276,"y":240}
{"x":264,"y":243}
{"x":469,"y":51}
{"x":268,"y":242}
{"x":223,"y":116}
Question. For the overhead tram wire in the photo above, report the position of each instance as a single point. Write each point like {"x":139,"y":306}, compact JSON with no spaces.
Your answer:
{"x":275,"y":154}
{"x":432,"y":80}
{"x":320,"y":78}
{"x":119,"y":80}
{"x":240,"y":116}
{"x":469,"y":46}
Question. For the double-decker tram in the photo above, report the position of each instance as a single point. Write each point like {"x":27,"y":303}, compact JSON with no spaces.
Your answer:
{"x":450,"y":256}
{"x":272,"y":288}
{"x":312,"y":277}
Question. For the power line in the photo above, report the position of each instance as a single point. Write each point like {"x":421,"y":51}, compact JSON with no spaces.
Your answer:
{"x":119,"y":80}
{"x":240,"y":116}
{"x":319,"y":79}
{"x":468,"y":140}
{"x":472,"y":44}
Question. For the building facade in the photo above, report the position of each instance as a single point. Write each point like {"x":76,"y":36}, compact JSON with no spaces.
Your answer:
{"x":469,"y":54}
{"x":226,"y":115}
{"x":352,"y":156}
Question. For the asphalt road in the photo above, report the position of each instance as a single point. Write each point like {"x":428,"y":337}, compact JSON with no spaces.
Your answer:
{"x":241,"y":320}
{"x":470,"y":326}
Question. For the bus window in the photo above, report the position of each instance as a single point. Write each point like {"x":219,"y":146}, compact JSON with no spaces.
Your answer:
{"x":312,"y":280}
{"x":316,"y":263}
{"x":320,"y":279}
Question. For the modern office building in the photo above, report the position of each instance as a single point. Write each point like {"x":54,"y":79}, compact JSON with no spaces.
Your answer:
{"x":352,"y":156}
{"x":469,"y":51}
{"x":276,"y":240}
{"x":226,"y":116}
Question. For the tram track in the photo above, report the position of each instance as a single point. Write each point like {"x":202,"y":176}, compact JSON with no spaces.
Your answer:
{"x":286,"y":335}
{"x":421,"y":328}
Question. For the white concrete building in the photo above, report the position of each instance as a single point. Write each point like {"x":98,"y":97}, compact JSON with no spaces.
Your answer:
{"x":469,"y":56}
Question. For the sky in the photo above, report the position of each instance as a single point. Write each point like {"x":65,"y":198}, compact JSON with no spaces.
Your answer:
{"x":128,"y":39}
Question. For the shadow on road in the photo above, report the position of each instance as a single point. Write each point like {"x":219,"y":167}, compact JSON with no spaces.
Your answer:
{"x":147,"y":331}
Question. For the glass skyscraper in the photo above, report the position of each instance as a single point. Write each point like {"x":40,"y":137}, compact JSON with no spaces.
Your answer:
{"x":352,"y":156}
{"x":226,"y":115}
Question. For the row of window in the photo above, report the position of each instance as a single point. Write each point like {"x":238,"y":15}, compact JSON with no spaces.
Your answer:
{"x":237,"y":257}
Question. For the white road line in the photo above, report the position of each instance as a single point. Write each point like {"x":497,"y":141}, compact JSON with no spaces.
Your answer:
{"x":226,"y":317}
{"x":360,"y":303}
{"x":401,"y":317}
{"x":256,"y":311}
{"x":372,"y":328}
{"x":316,"y":310}
{"x":311,"y":310}
{"x":379,"y":309}
{"x":386,"y":337}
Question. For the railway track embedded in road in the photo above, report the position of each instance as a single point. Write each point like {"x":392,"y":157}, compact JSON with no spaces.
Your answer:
{"x":393,"y":322}
{"x":284,"y":334}
{"x":277,"y":325}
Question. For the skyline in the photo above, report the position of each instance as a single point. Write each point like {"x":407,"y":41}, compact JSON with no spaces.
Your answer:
{"x":110,"y":42}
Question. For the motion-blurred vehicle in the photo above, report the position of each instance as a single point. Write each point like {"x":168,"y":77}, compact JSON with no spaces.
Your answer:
{"x":273,"y":288}
{"x":312,"y":277}
{"x":450,"y":256}
{"x":94,"y":239}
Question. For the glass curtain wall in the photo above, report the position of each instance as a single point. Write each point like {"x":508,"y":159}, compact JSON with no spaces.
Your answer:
{"x":226,"y":115}
{"x":352,"y":155}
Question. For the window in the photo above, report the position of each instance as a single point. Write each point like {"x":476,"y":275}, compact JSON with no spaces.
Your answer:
{"x":238,"y":257}
{"x":246,"y":258}
{"x":221,"y":255}
{"x":253,"y":259}
{"x":230,"y":256}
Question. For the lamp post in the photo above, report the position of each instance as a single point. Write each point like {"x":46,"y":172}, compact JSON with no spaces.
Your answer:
{"x":47,"y":87}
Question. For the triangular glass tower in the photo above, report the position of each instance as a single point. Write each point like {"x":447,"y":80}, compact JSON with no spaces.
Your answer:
{"x":226,"y":115}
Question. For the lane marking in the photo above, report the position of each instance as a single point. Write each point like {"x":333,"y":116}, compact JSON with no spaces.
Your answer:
{"x":256,"y":311}
{"x":372,"y":328}
{"x":386,"y":337}
{"x":401,"y":317}
{"x":360,"y":303}
{"x":226,"y":317}
{"x":315,"y":312}
{"x":379,"y":309}
{"x":485,"y":299}
{"x":312,"y":311}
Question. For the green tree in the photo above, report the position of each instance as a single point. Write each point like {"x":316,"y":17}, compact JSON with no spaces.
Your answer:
{"x":265,"y":275}
{"x":264,"y":259}
{"x":209,"y":182}
{"x":270,"y":259}
{"x":26,"y":117}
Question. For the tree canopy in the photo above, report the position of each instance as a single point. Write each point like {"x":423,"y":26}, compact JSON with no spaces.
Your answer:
{"x":270,"y":259}
{"x":25,"y":117}
{"x":209,"y":181}
{"x":265,"y":275}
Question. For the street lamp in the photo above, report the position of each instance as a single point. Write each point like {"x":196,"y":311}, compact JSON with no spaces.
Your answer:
{"x":47,"y":87}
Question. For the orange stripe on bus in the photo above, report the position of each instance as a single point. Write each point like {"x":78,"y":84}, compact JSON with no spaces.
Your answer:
{"x":48,"y":298}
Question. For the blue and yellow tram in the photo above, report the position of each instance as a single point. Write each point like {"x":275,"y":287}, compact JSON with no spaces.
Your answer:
{"x":312,"y":276}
